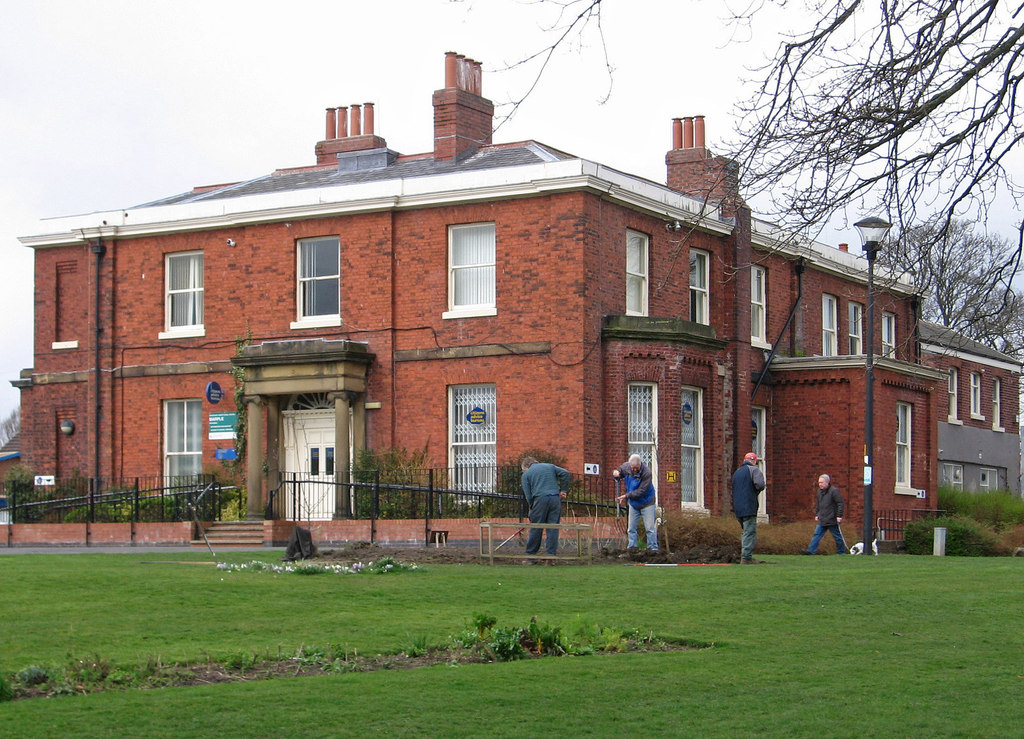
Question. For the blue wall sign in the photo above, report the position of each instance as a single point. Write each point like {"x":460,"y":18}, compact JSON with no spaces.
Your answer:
{"x":477,"y":416}
{"x":214,"y":393}
{"x":687,"y":414}
{"x":225,"y":454}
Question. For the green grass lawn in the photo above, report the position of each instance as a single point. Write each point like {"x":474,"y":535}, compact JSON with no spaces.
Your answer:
{"x":806,"y":646}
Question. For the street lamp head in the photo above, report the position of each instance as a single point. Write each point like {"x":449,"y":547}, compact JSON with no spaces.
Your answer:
{"x":872,"y":231}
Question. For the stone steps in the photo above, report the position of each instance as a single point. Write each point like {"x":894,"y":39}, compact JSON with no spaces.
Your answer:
{"x":239,"y":534}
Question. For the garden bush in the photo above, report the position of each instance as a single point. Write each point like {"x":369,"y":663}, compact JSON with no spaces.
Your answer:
{"x":999,"y":508}
{"x":965,"y":537}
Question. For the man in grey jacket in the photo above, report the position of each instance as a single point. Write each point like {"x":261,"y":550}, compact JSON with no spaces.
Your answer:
{"x":545,"y":486}
{"x":828,"y":512}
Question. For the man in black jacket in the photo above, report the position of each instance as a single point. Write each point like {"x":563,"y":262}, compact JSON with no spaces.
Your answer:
{"x":747,"y":482}
{"x":829,"y":514}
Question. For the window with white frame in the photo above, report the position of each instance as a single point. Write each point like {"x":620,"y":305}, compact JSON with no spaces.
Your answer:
{"x":473,"y":436}
{"x":319,"y":281}
{"x":856,"y":329}
{"x":691,"y":465}
{"x":758,"y":427}
{"x":829,"y":331}
{"x":471,"y":270}
{"x":699,"y":291}
{"x":183,"y":437}
{"x":952,"y":475}
{"x":636,"y":273}
{"x":976,"y":395}
{"x":904,"y":440}
{"x":997,"y":404}
{"x":987,"y":479}
{"x":184,"y":283}
{"x":888,"y":334}
{"x":758,"y":305}
{"x":954,"y":394}
{"x":642,"y":421}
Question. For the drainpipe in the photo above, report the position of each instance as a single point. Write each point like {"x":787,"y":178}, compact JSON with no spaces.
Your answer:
{"x":801,"y":266}
{"x":99,"y":249}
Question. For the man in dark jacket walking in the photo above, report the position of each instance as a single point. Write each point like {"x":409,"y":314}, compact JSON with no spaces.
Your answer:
{"x":747,"y":482}
{"x":828,"y":512}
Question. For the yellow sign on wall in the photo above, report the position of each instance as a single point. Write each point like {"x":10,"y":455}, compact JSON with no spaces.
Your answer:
{"x":670,"y":476}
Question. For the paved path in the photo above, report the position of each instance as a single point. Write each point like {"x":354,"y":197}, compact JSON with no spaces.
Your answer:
{"x":147,"y":549}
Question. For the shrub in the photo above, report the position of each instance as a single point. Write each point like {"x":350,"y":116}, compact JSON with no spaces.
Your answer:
{"x":506,"y":645}
{"x":998,"y":509}
{"x":687,"y":530}
{"x":965,"y":537}
{"x":33,"y":675}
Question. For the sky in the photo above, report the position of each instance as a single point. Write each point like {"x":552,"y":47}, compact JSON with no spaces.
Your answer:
{"x":107,"y":104}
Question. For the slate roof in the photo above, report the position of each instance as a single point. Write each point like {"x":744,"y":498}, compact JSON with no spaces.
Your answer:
{"x":491,"y":157}
{"x":933,"y":333}
{"x":11,"y":449}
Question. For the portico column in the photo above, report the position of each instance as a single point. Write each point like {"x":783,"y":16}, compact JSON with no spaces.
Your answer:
{"x":254,"y":457}
{"x":342,"y":460}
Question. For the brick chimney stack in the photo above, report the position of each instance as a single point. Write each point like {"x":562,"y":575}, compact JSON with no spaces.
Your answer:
{"x":463,"y":118}
{"x":349,"y":128}
{"x":695,"y":171}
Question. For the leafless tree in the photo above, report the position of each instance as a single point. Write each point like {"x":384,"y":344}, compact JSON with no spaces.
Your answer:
{"x":572,"y":23}
{"x":10,"y":426}
{"x":968,"y":277}
{"x":906,"y":107}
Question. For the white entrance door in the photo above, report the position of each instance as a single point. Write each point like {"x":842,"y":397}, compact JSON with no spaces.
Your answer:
{"x":309,"y":453}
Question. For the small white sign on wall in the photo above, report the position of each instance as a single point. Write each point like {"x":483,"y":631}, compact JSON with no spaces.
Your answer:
{"x":591,"y":469}
{"x":45,"y":480}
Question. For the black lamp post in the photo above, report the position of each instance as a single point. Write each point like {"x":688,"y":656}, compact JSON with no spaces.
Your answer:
{"x":872,"y":231}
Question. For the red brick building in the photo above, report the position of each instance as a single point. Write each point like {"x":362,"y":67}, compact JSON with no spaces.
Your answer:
{"x":473,"y":302}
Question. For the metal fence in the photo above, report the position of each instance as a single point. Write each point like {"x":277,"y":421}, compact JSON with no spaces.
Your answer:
{"x":890,"y":523}
{"x":102,"y":500}
{"x":423,"y":494}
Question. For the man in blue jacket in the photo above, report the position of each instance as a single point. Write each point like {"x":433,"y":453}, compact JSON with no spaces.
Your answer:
{"x":545,"y":486}
{"x":747,"y":482}
{"x":640,"y":493}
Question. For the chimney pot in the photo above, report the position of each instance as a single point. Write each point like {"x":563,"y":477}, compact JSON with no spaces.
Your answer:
{"x":353,"y":121}
{"x":688,"y":133}
{"x":677,"y":133}
{"x":698,"y":131}
{"x":332,"y":124}
{"x":451,"y":65}
{"x":478,"y":87}
{"x":343,"y":122}
{"x":368,"y":119}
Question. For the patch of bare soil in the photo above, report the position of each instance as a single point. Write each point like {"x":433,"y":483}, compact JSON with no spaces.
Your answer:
{"x":365,"y":552}
{"x":266,"y":668}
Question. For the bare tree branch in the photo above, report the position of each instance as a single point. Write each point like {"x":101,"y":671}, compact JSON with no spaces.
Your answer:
{"x":574,"y":18}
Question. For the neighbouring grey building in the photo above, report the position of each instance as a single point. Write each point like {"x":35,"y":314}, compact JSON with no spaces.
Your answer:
{"x":979,"y":439}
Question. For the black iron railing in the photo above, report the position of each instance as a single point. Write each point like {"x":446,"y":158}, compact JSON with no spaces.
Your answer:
{"x":133,"y":500}
{"x":890,"y":523}
{"x":479,"y":492}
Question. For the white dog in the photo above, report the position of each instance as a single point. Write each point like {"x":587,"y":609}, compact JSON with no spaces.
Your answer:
{"x":858,"y":548}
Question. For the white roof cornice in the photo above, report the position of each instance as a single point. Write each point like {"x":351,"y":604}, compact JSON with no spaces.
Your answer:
{"x":381,"y":195}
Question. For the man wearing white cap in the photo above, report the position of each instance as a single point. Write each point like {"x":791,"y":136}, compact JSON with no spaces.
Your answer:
{"x":747,"y":482}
